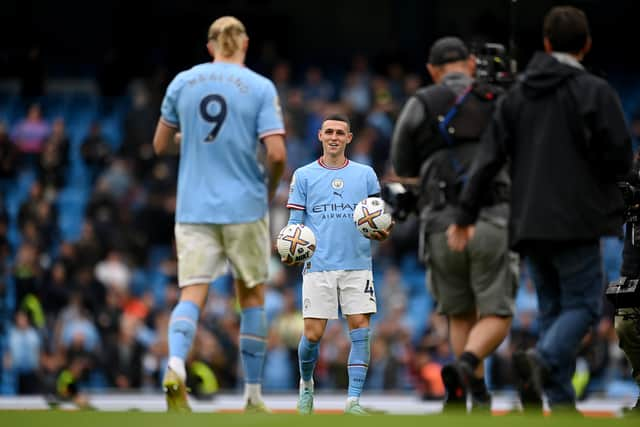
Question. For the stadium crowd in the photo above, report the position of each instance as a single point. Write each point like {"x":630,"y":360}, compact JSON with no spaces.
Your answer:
{"x":88,"y":268}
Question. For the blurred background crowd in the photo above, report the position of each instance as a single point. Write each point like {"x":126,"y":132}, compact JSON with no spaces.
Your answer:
{"x":87,"y":258}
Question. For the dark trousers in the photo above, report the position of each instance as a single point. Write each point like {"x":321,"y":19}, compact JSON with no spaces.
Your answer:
{"x":568,"y":280}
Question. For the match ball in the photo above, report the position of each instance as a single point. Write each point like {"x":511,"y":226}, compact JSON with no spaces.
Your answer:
{"x":370,"y":215}
{"x":296,"y":241}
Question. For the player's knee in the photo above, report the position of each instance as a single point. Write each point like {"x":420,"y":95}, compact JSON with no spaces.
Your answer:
{"x":250,"y":297}
{"x":313,"y":332}
{"x":197,"y":294}
{"x":358,"y":321}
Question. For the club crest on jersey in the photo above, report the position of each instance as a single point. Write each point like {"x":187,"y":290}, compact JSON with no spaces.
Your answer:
{"x":337,"y":184}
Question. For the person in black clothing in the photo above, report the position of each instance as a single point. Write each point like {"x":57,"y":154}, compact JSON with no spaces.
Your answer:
{"x":627,"y":319}
{"x":564,"y":132}
{"x":436,"y":138}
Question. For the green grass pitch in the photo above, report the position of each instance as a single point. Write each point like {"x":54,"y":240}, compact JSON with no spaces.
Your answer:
{"x":45,"y":418}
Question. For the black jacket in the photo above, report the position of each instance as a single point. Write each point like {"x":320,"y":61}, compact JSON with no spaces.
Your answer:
{"x":564,"y":131}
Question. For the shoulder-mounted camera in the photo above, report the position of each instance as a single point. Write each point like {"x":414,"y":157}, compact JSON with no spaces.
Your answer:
{"x":624,"y":293}
{"x":493,"y":65}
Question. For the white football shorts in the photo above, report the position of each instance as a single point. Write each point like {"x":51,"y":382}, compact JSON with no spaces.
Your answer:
{"x":204,"y":249}
{"x":322,"y":291}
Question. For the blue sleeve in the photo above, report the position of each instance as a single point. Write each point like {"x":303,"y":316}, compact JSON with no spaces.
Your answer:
{"x":169,"y":110}
{"x":297,"y":192}
{"x":296,"y":216}
{"x":270,"y":116}
{"x":373,"y":186}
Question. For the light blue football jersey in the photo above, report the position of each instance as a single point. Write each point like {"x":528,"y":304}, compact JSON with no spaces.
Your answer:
{"x":222,"y":111}
{"x":328,"y":197}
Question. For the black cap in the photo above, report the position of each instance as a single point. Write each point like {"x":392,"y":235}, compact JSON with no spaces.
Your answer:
{"x":448,"y":49}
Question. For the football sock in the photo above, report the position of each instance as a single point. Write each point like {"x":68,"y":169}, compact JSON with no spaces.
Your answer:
{"x":182,"y":328}
{"x":358,"y":361}
{"x":307,"y":357}
{"x":470,"y":359}
{"x":253,"y":344}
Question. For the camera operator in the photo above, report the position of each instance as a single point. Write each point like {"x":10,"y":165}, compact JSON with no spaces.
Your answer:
{"x":436,"y":137}
{"x":627,"y":319}
{"x":564,"y":132}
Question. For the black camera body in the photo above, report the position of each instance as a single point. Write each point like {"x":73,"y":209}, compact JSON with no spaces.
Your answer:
{"x":402,"y":200}
{"x":631,"y":196}
{"x":494,"y":66}
{"x":630,"y":190}
{"x":624,"y":293}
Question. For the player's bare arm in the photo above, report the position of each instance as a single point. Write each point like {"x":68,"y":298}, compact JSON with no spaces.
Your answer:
{"x":276,"y":160}
{"x":164,"y":135}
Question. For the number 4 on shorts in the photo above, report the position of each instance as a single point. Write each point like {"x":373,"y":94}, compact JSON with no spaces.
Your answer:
{"x":368,"y":288}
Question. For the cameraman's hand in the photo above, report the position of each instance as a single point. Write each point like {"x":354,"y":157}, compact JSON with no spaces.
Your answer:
{"x":382,"y":234}
{"x":458,"y":236}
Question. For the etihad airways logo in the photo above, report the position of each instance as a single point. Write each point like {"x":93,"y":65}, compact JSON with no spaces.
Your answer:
{"x":334,"y":210}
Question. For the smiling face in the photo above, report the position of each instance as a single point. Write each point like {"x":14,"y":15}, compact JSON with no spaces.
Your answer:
{"x":334,"y":135}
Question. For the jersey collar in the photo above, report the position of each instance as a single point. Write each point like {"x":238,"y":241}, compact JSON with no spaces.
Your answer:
{"x":324,"y":165}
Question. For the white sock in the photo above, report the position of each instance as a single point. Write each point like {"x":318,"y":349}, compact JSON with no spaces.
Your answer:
{"x":306,"y":385}
{"x":253,"y":393}
{"x":351,"y":400}
{"x":177,"y":365}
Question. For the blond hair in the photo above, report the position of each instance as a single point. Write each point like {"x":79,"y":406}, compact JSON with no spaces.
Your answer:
{"x":227,"y":34}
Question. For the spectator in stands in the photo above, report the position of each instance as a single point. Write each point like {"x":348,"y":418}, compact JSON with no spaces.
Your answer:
{"x":56,"y":290}
{"x":54,"y":158}
{"x":108,"y":315}
{"x":77,"y":332}
{"x":396,"y":76}
{"x":102,"y":211}
{"x":299,"y":151}
{"x":27,"y":276}
{"x":298,"y":113}
{"x":138,"y":134}
{"x":30,"y":134}
{"x":278,"y":374}
{"x":38,"y":215}
{"x":281,"y":76}
{"x":91,"y":291}
{"x":119,"y":179}
{"x":316,"y":88}
{"x":24,"y":354}
{"x":113,"y":272}
{"x":124,"y":355}
{"x":86,"y":251}
{"x":95,"y":150}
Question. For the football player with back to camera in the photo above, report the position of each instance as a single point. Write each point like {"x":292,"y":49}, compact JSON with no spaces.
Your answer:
{"x":436,"y":138}
{"x":564,"y":132}
{"x":222,"y":110}
{"x":322,"y":197}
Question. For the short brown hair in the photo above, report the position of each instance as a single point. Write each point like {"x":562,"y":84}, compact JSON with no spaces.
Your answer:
{"x":338,"y":118}
{"x":567,"y":29}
